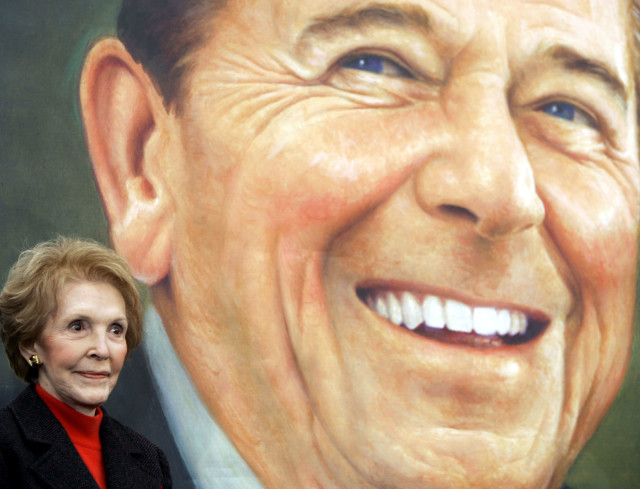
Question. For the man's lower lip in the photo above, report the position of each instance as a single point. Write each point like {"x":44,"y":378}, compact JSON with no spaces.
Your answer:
{"x":453,"y":322}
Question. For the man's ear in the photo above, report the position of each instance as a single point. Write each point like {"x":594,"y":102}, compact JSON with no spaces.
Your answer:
{"x":127,"y":129}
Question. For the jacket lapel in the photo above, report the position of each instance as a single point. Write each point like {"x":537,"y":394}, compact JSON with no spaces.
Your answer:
{"x":125,"y":464}
{"x":57,"y":462}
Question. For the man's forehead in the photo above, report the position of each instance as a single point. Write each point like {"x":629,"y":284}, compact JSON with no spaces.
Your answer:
{"x":290,"y":23}
{"x":290,"y":20}
{"x":313,"y":10}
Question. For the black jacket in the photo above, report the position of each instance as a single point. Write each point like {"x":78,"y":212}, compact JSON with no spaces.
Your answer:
{"x":36,"y":452}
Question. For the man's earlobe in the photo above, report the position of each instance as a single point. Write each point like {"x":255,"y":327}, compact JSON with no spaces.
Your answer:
{"x":127,"y":132}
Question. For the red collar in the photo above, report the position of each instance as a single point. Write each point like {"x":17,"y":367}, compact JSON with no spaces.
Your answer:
{"x":82,"y":429}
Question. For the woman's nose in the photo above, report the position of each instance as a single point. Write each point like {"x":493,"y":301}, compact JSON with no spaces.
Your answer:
{"x":99,"y":347}
{"x":484,"y":178}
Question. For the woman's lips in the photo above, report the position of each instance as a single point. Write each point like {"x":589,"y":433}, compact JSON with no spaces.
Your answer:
{"x":94,"y":375}
{"x":453,"y":321}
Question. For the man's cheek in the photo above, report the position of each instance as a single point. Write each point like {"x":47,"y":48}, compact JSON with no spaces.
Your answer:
{"x":333,"y":173}
{"x":594,"y":229}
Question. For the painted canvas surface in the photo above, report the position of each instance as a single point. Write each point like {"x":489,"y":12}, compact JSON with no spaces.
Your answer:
{"x":372,"y":174}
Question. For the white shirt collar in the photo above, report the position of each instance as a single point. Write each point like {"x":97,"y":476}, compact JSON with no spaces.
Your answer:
{"x":210,"y":457}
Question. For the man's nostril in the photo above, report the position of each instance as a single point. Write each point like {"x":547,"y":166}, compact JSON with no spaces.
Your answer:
{"x":457,"y":211}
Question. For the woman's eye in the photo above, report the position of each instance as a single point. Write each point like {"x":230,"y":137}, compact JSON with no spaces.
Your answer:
{"x":117,"y":329}
{"x":377,"y":64}
{"x":569,"y":112}
{"x":76,"y":326}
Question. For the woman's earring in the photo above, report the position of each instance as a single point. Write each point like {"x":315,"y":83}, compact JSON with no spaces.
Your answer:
{"x":34,"y":361}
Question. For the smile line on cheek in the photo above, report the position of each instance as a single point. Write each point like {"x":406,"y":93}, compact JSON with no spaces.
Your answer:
{"x":451,"y":321}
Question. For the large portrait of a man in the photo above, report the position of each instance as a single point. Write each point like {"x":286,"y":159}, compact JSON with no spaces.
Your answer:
{"x":387,"y":244}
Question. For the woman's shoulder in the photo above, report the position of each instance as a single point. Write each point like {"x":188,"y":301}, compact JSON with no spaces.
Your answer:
{"x":125,"y":435}
{"x":8,"y":426}
{"x":10,"y":412}
{"x":120,"y":443}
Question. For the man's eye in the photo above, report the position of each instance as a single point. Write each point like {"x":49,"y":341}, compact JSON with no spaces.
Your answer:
{"x":569,"y":112}
{"x":377,"y":64}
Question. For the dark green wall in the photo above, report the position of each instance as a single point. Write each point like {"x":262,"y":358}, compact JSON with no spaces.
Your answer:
{"x":46,"y":185}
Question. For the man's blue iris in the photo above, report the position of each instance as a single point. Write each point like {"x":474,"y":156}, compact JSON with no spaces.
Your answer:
{"x":563,"y":110}
{"x":366,"y":62}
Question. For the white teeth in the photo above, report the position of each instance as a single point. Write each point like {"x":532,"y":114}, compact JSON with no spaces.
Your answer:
{"x":514,"y":327}
{"x":433,"y":312}
{"x":518,"y":323}
{"x":381,"y":307}
{"x":458,"y":316}
{"x":504,"y":322}
{"x":523,"y":322}
{"x":411,"y":312}
{"x":485,"y":320}
{"x":437,"y":313}
{"x":394,"y":308}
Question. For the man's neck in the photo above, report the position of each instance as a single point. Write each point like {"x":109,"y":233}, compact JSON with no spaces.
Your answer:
{"x":209,"y":456}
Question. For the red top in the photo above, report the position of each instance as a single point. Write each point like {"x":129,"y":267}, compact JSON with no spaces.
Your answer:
{"x":84,"y":432}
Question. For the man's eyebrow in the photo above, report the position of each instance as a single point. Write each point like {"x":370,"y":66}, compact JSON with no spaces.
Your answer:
{"x":574,"y":61}
{"x":376,"y":14}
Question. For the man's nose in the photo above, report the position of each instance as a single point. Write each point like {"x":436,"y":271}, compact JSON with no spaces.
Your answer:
{"x":484,"y":178}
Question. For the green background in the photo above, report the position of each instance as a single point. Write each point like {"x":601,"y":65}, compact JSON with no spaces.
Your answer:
{"x":46,"y":186}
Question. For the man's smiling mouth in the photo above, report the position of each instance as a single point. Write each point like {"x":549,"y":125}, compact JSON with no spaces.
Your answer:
{"x":451,"y":321}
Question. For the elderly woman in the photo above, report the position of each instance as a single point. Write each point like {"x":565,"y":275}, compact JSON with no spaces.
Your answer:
{"x":70,"y":316}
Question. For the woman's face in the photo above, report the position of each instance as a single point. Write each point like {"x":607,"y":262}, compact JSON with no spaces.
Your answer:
{"x":82,"y":347}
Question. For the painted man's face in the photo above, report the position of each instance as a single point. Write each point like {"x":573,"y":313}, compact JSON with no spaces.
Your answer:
{"x":404,"y":236}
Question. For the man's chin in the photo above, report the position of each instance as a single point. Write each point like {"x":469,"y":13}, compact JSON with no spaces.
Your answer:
{"x":458,"y":459}
{"x":408,"y":410}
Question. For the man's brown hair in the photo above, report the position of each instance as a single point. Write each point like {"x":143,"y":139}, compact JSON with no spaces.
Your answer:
{"x":162,"y":34}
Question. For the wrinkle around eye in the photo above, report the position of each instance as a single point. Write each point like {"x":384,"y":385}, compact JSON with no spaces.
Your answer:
{"x":579,"y":142}
{"x":376,"y":64}
{"x":376,"y":80}
{"x":569,"y":112}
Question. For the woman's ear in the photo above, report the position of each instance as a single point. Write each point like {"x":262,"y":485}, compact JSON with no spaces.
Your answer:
{"x":127,"y":128}
{"x":26,"y":350}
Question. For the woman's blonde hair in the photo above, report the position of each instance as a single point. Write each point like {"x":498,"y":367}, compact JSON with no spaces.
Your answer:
{"x":29,"y":296}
